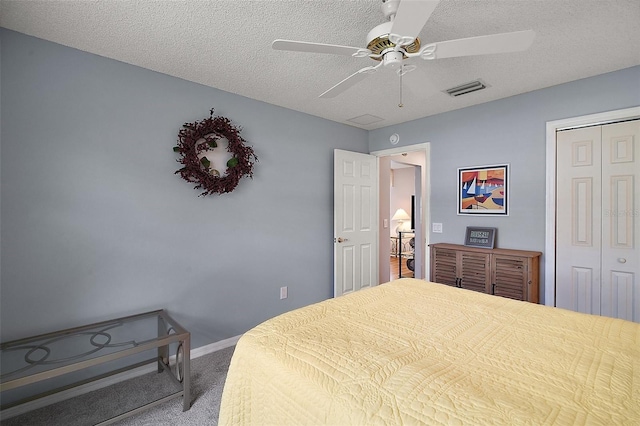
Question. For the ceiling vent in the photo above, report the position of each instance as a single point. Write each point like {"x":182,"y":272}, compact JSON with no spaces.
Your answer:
{"x":365,"y":120}
{"x":463,"y":89}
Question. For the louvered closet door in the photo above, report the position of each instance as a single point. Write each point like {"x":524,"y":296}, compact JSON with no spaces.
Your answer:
{"x":510,"y":276}
{"x":474,"y":271}
{"x":444,"y":264}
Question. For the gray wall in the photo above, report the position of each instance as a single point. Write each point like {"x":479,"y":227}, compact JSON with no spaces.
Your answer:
{"x":96,"y":225}
{"x":510,"y":130}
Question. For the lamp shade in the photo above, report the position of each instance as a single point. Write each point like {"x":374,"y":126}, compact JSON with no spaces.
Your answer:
{"x":400,"y":214}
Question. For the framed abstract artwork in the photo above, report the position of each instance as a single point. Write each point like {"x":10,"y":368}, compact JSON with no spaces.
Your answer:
{"x":483,"y":190}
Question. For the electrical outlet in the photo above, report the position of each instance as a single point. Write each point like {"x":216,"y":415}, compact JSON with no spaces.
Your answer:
{"x":283,"y":292}
{"x":436,"y":228}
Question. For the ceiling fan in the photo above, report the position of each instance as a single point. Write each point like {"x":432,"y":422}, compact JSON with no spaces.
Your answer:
{"x":397,"y":39}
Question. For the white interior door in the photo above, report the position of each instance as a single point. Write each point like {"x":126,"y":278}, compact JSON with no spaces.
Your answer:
{"x":579,"y":220}
{"x":355,"y":216}
{"x":620,"y":294}
{"x":597,"y":212}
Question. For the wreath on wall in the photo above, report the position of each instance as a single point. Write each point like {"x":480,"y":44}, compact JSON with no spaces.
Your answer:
{"x":196,"y":139}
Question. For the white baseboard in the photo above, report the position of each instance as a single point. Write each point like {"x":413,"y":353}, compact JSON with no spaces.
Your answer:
{"x":214,"y":347}
{"x":99,"y":384}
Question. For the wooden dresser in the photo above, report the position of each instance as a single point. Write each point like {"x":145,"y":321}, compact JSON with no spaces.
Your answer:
{"x":508,"y":273}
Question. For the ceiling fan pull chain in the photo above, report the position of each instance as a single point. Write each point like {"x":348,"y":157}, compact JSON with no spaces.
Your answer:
{"x":400,"y":104}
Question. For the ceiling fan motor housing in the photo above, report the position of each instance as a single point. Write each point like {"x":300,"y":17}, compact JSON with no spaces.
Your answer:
{"x":378,"y":41}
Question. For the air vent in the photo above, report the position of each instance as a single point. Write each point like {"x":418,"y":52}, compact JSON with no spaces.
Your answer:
{"x":463,"y":89}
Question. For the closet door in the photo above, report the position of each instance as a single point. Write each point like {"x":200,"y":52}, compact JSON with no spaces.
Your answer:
{"x":597,"y":215}
{"x":578,"y":219}
{"x":620,"y":293}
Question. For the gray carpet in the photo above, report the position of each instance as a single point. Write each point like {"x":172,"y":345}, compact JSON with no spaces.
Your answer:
{"x":208,"y":374}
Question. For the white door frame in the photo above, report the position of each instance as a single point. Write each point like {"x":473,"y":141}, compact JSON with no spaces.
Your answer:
{"x":426,"y":190}
{"x":550,"y":232}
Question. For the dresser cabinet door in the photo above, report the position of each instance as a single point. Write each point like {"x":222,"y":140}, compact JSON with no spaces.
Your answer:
{"x":509,"y":277}
{"x":474,"y":271}
{"x":443,"y":266}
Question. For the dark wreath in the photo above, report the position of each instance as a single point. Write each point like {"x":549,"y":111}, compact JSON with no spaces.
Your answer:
{"x":197,"y":137}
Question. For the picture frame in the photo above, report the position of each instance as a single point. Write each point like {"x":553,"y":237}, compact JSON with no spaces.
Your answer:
{"x":483,"y":190}
{"x":480,"y":237}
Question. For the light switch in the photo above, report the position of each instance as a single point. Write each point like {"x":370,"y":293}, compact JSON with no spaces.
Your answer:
{"x":385,"y":223}
{"x":436,"y":228}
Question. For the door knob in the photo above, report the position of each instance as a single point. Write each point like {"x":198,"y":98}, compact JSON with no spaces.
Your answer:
{"x":622,"y":260}
{"x":341,"y":240}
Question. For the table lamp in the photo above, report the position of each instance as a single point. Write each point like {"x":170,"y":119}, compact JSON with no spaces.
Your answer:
{"x":400,"y":215}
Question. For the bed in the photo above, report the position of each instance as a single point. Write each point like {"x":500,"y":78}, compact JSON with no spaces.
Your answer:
{"x":416,"y":352}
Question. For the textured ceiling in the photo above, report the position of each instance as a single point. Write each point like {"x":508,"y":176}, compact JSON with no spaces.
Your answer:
{"x":226,"y":44}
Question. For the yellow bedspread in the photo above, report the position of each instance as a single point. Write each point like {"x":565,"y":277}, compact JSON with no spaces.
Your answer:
{"x":414,"y":352}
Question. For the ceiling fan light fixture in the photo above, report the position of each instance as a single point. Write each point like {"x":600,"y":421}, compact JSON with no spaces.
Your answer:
{"x":463,"y":89}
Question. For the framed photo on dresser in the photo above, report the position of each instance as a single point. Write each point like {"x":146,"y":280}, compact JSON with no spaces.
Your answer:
{"x":480,"y":237}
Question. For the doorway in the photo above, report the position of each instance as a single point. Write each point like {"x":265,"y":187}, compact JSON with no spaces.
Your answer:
{"x":402,"y":202}
{"x":416,"y":159}
{"x":590,"y":173}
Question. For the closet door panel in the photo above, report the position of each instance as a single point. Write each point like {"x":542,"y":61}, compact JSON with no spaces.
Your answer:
{"x":621,"y":214}
{"x":578,"y":219}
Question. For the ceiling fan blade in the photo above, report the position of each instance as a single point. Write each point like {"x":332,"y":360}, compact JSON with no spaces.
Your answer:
{"x":303,"y":46}
{"x":485,"y":45}
{"x":350,"y":81}
{"x":411,"y":17}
